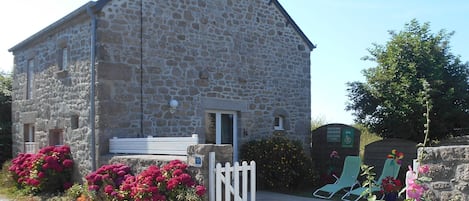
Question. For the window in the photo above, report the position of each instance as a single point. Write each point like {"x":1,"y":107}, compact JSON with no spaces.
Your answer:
{"x":74,"y":120}
{"x":56,"y":137}
{"x":278,"y":123}
{"x":29,"y":79}
{"x":221,"y":128}
{"x":63,"y":58}
{"x":28,"y":138}
{"x":28,"y":131}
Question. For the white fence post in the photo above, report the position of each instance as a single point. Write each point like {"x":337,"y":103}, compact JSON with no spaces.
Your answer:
{"x":227,"y":181}
{"x":218,"y":182}
{"x":253,"y":180}
{"x":245,"y":181}
{"x":211,"y":176}
{"x":236,"y":179}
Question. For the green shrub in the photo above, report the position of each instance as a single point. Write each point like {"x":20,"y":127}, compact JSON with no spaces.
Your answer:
{"x":281,"y":164}
{"x":7,"y":183}
{"x":76,"y":191}
{"x":5,"y":141}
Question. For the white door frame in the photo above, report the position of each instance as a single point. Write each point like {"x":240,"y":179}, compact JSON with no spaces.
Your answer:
{"x":218,"y":114}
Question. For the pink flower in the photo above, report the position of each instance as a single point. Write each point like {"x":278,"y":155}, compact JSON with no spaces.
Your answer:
{"x":334,"y":154}
{"x":410,"y":177}
{"x":177,"y":172}
{"x":172,"y":183}
{"x":45,"y":166}
{"x":41,"y":175}
{"x":93,"y":187}
{"x":415,"y":191}
{"x":67,"y":163}
{"x":424,"y":169}
{"x":34,"y":182}
{"x":200,"y":190}
{"x":108,"y":189}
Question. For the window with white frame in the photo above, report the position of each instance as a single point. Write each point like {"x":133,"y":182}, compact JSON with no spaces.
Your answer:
{"x":30,"y":146}
{"x":29,"y":79}
{"x":278,"y":123}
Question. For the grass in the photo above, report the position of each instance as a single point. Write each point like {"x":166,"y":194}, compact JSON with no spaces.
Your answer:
{"x":8,"y":189}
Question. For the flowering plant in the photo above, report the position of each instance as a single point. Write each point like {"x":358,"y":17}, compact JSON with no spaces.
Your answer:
{"x":171,"y":182}
{"x":50,"y":170}
{"x":390,"y":185}
{"x":179,"y":184}
{"x":105,"y":181}
{"x":333,"y":164}
{"x":416,"y":185}
{"x":397,"y":156}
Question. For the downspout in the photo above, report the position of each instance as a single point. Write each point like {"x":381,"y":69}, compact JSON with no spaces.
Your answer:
{"x":141,"y":69}
{"x":92,"y":87}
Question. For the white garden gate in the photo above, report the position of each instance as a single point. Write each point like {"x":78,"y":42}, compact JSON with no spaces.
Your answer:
{"x":226,"y":180}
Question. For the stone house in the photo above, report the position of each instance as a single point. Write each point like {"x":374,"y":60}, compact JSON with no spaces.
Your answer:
{"x":233,"y":71}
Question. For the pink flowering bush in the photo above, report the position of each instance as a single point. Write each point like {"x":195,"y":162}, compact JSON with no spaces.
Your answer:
{"x":179,"y":184}
{"x":171,"y":182}
{"x":104,"y":183}
{"x":50,"y":170}
{"x":417,"y":185}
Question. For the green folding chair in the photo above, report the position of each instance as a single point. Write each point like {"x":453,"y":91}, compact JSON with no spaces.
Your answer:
{"x":390,"y":169}
{"x":348,"y":179}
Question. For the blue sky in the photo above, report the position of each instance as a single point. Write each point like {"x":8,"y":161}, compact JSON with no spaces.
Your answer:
{"x":342,"y":31}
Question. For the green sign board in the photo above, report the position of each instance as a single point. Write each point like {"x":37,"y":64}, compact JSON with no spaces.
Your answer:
{"x":347,"y":137}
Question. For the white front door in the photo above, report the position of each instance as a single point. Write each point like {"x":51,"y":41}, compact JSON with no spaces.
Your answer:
{"x":221,"y":128}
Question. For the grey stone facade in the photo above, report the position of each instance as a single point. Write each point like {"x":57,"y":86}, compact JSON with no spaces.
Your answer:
{"x":245,"y":56}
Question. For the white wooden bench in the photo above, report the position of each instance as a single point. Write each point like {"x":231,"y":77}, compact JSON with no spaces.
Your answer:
{"x":152,"y":145}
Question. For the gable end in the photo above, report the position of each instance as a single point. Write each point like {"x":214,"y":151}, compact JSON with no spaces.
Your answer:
{"x":294,"y":25}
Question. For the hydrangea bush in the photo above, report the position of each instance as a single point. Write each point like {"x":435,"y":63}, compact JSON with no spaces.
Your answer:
{"x":171,"y":182}
{"x":50,"y":170}
{"x":104,"y":183}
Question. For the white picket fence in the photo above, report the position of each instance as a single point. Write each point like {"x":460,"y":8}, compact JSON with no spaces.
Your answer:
{"x":227,"y":181}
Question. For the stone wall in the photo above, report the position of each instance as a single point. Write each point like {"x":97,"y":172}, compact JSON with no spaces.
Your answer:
{"x":449,"y":169}
{"x":239,"y":56}
{"x":58,"y":97}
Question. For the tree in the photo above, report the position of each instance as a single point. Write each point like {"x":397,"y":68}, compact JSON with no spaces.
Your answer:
{"x":317,"y":122}
{"x":392,"y":101}
{"x":5,"y":117}
{"x":5,"y":97}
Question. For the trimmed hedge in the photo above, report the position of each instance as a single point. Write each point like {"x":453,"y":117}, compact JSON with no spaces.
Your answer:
{"x":281,"y":164}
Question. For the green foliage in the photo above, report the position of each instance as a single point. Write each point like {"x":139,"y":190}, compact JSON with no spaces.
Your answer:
{"x":76,"y":191}
{"x":281,"y":163}
{"x":5,"y":97}
{"x":366,"y":138}
{"x":7,"y":183}
{"x":390,"y":102}
{"x":5,"y":141}
{"x":369,"y":182}
{"x":317,"y":122}
{"x":5,"y":118}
